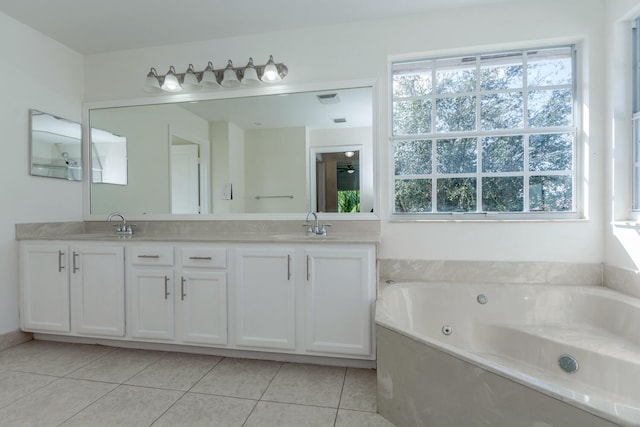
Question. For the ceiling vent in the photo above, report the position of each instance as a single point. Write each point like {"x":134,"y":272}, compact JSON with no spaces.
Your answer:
{"x":340,"y":120}
{"x":329,"y":98}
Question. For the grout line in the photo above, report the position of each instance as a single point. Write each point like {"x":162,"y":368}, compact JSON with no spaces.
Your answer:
{"x":167,"y":410}
{"x":206,"y":373}
{"x":263,"y":392}
{"x":344,"y":380}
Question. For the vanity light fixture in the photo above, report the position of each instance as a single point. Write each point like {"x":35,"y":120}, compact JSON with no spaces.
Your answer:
{"x":250,"y":77}
{"x":228,"y":77}
{"x":171,"y":82}
{"x":208,"y":78}
{"x":190,"y":80}
{"x":152,"y":83}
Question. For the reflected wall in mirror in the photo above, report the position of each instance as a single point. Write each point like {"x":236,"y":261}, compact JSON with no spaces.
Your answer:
{"x":225,"y":157}
{"x":55,"y":145}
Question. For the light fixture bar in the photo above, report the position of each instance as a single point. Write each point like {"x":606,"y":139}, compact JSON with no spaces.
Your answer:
{"x":228,"y":77}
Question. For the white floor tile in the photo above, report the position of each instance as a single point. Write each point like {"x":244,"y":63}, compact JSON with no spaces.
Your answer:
{"x":307,"y":385}
{"x":238,"y":378}
{"x":203,"y":410}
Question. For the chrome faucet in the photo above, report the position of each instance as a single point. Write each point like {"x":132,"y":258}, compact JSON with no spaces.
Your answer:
{"x":122,"y":229}
{"x":315,"y":230}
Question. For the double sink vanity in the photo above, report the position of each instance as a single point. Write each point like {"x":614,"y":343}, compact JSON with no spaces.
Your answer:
{"x":232,"y":286}
{"x":203,"y":270}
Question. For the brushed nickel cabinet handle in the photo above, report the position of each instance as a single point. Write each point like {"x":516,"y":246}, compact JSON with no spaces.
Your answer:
{"x":166,"y":287}
{"x":60,"y":266}
{"x":75,"y":262}
{"x":308,"y":268}
{"x":288,"y":267}
{"x":149,"y":256}
{"x":182,"y":288}
{"x":207,"y":258}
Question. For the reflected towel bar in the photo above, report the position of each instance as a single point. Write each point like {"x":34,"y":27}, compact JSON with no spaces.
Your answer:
{"x":273,"y":197}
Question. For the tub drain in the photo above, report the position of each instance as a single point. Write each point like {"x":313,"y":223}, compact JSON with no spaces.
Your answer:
{"x":568,"y":363}
{"x":447,"y":330}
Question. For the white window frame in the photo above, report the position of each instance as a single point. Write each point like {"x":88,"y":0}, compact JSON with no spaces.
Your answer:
{"x":635,"y":119}
{"x":577,"y":188}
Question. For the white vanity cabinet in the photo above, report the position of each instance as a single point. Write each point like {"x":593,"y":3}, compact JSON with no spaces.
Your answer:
{"x":69,"y":288}
{"x":44,"y":289}
{"x":150,"y":283}
{"x":202,"y":307}
{"x":339,"y":296}
{"x":181,"y":299}
{"x":265,"y":298}
{"x":302,"y":298}
{"x":97,"y":290}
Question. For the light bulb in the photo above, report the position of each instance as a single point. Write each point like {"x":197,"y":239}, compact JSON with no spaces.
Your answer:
{"x":171,"y":83}
{"x":270,"y":74}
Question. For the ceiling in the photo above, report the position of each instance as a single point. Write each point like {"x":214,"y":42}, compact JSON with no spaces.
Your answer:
{"x":95,"y":26}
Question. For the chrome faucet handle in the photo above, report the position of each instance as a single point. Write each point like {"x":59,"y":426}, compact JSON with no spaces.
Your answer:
{"x":307,"y":225}
{"x":324,"y":229}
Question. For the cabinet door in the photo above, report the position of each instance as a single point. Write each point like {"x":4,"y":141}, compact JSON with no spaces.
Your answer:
{"x":151,"y":303}
{"x":203,"y":304}
{"x":339,"y":299}
{"x":44,"y":288}
{"x":97,"y":290}
{"x":265,"y":298}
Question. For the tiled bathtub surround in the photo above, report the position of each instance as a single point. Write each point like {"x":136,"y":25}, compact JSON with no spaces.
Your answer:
{"x":490,"y":272}
{"x":59,"y":384}
{"x":622,"y":280}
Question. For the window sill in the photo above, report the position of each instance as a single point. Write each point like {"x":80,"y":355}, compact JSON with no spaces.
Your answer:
{"x":630,"y":223}
{"x":489,"y":218}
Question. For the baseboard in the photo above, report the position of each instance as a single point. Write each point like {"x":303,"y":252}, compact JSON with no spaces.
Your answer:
{"x":14,"y":338}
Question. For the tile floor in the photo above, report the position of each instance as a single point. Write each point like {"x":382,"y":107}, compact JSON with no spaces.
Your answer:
{"x":46,"y":383}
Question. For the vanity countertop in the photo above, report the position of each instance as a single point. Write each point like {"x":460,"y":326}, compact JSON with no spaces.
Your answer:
{"x":230,"y":237}
{"x":205,"y":232}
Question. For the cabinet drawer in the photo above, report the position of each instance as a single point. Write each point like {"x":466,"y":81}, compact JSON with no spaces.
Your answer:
{"x":204,"y":257}
{"x":152,"y":255}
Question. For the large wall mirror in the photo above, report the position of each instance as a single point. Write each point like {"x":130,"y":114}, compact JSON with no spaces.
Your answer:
{"x":55,"y":145}
{"x":241,"y":156}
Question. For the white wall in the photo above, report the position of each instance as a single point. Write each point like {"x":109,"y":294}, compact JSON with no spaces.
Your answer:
{"x":274,"y":162}
{"x":363,"y":50}
{"x":39,"y":73}
{"x":622,"y":244}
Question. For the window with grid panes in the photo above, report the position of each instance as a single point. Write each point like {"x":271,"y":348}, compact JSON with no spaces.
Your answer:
{"x":490,"y":133}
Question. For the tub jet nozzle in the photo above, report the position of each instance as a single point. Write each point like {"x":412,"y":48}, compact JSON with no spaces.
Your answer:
{"x":568,"y":363}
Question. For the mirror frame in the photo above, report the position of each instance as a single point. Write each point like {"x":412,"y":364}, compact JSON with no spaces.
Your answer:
{"x":237,"y":93}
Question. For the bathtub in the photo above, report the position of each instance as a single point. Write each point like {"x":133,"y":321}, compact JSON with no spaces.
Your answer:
{"x":452,"y":354}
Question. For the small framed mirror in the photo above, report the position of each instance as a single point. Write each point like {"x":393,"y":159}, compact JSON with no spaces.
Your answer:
{"x":55,"y":146}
